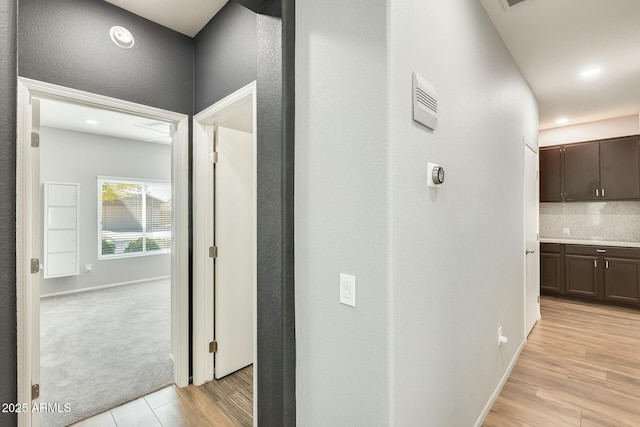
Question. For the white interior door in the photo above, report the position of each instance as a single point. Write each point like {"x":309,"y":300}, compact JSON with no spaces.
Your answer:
{"x":532,"y":250}
{"x":234,"y":237}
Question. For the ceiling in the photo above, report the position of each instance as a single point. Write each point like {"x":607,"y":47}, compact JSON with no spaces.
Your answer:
{"x":74,"y":117}
{"x":555,"y":41}
{"x":186,"y":17}
{"x":552,"y":41}
{"x":62,"y":115}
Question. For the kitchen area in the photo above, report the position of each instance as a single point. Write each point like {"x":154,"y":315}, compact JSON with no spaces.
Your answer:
{"x":589,"y":217}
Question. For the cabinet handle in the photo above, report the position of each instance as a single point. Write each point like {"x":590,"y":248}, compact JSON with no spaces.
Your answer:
{"x":603,"y":192}
{"x":597,"y":193}
{"x":606,"y":263}
{"x":602,"y":251}
{"x":595,"y":263}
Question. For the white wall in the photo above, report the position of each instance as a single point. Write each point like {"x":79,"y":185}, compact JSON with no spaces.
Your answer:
{"x":437,"y":270}
{"x":68,"y":156}
{"x":601,"y":129}
{"x":341,"y":218}
{"x":457,"y":252}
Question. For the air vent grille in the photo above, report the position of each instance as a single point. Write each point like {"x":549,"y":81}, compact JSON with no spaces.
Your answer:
{"x":425,"y":102}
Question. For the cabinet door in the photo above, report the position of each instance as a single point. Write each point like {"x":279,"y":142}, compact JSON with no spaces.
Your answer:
{"x":619,"y":169}
{"x":551,"y":277}
{"x":581,"y":275}
{"x":582,"y":171}
{"x":550,"y":175}
{"x":622,"y":280}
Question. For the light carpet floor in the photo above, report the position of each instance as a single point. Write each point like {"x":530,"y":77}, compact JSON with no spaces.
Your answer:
{"x":102,"y":348}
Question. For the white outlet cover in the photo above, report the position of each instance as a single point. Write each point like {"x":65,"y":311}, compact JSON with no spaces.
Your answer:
{"x":348,"y":290}
{"x":566,"y":232}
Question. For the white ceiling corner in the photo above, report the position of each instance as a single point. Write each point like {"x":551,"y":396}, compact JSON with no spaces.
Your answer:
{"x":186,"y":17}
{"x":552,"y":41}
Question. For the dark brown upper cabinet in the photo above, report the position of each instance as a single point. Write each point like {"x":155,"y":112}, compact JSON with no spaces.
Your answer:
{"x":550,"y":174}
{"x":582,"y":172}
{"x":598,"y":170}
{"x":620,"y":169}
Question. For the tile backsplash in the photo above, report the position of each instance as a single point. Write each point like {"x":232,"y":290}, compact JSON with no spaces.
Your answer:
{"x":613,"y":221}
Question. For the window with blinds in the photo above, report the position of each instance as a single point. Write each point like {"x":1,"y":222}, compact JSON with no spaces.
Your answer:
{"x":134,"y":217}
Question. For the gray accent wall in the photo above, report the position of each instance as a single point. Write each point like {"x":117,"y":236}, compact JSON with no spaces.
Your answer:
{"x":225,"y":55}
{"x":66,"y":42}
{"x":8,"y":357}
{"x":276,"y":327}
{"x":77,"y":157}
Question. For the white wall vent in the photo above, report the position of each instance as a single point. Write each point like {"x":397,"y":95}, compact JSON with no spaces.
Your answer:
{"x":508,"y":4}
{"x":425,"y":102}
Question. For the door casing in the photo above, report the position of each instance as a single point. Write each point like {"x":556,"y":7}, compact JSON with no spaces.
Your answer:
{"x":27,"y":231}
{"x":203,"y":234}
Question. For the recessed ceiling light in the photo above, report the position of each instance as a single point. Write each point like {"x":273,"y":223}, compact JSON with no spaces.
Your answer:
{"x":91,"y":122}
{"x":591,"y":72}
{"x":562,"y":121}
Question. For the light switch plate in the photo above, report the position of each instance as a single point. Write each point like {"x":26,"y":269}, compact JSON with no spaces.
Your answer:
{"x":566,"y":232}
{"x":348,"y":290}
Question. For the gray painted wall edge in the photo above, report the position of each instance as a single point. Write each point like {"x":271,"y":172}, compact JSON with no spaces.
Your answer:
{"x":8,"y":83}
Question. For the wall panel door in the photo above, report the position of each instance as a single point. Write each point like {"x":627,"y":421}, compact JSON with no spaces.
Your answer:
{"x":234,"y":225}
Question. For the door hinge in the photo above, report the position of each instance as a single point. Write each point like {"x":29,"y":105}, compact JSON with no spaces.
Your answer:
{"x":35,"y":265}
{"x":537,"y":174}
{"x":35,"y":391}
{"x":538,"y":299}
{"x":213,"y":157}
{"x":213,"y":347}
{"x":35,"y":139}
{"x":213,"y":252}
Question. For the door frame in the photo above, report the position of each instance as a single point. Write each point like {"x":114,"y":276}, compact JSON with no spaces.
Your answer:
{"x":529,"y":145}
{"x":27,"y":199}
{"x":203,"y":234}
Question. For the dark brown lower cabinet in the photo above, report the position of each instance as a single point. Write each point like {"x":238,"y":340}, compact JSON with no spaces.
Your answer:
{"x":622,"y":280}
{"x":605,"y":273}
{"x":551,"y":268}
{"x":581,"y":275}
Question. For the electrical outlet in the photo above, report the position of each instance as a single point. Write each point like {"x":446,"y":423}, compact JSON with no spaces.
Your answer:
{"x":501,"y":338}
{"x":88,"y":268}
{"x":566,"y":232}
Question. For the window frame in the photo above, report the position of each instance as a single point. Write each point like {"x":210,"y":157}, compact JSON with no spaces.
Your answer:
{"x":133,"y":181}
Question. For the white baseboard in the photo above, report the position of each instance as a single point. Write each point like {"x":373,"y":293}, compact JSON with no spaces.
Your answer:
{"x":498,"y":389}
{"x":113,"y":285}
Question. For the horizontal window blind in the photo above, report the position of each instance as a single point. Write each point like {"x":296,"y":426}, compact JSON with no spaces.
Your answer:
{"x":134,"y":217}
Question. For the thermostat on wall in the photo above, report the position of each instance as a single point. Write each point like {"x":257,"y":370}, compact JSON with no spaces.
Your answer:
{"x":436,"y":175}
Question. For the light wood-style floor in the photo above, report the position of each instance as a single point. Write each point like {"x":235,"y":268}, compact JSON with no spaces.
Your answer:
{"x":580,"y":367}
{"x":220,"y":403}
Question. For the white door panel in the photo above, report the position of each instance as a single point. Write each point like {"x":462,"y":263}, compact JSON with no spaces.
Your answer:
{"x":234,"y":223}
{"x":532,"y":250}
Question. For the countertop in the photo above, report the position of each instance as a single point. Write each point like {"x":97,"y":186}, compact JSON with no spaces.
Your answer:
{"x":590,"y":242}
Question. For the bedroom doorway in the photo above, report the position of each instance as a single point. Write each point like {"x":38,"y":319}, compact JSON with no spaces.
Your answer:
{"x":102,"y":245}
